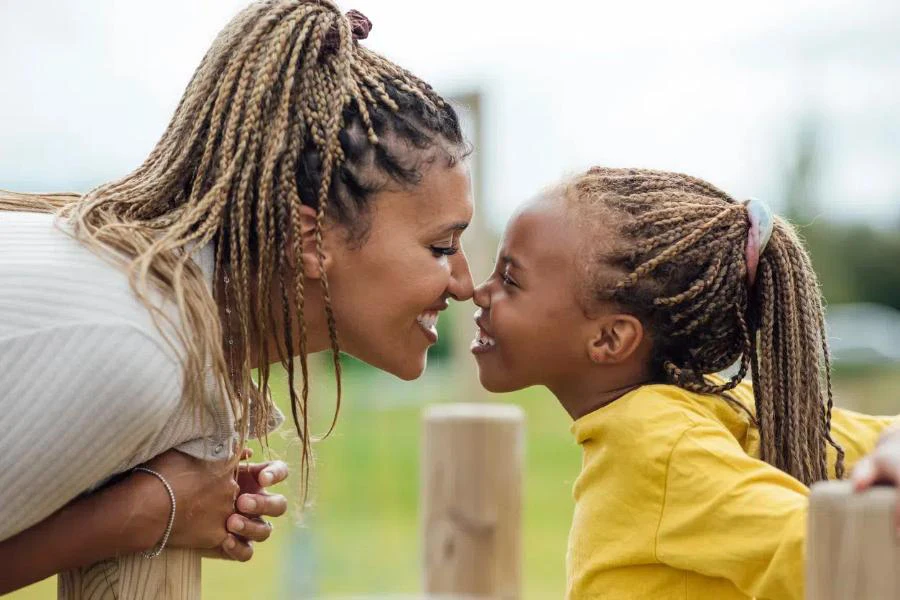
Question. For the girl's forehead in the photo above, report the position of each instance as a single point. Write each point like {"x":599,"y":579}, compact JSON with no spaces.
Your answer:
{"x":541,"y":234}
{"x":541,"y":216}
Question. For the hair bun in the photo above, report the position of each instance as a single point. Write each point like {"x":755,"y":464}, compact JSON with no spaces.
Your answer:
{"x":360,"y":25}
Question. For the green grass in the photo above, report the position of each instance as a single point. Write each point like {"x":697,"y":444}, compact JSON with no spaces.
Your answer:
{"x":361,"y":534}
{"x":873,"y":390}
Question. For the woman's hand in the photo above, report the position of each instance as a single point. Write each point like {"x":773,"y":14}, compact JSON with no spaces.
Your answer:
{"x":215,"y":513}
{"x":204,"y":497}
{"x":130,"y":515}
{"x":247,"y":524}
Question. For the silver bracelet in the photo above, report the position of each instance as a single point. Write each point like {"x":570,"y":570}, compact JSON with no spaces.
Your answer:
{"x":157,"y":550}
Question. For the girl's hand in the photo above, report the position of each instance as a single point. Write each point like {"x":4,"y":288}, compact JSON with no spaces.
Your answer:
{"x":881,"y":466}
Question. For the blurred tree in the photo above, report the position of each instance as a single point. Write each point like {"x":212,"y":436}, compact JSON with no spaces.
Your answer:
{"x":854,"y":262}
{"x":801,"y":199}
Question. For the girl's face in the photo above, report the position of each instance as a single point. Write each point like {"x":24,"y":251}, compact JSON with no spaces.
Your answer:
{"x":387,"y":294}
{"x":530,"y":326}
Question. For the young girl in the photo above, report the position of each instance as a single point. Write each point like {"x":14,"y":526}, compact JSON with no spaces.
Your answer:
{"x":625,"y":291}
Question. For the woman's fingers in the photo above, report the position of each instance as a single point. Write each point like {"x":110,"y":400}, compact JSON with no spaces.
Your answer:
{"x":235,"y":548}
{"x":258,"y":505}
{"x":254,"y":530}
{"x":266,"y":473}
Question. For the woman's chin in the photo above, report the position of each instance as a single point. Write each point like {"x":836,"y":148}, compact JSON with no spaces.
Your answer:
{"x":408,"y":370}
{"x":410,"y":375}
{"x":405,"y":366}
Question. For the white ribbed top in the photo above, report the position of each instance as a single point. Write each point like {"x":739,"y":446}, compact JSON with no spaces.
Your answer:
{"x":88,"y":385}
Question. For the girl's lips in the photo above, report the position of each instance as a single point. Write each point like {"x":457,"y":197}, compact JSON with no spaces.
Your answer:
{"x":483,"y":342}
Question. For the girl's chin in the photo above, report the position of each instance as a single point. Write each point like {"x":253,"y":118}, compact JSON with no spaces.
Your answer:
{"x":495,"y":384}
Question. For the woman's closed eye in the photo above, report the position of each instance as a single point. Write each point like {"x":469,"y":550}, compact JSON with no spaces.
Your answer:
{"x":446,"y":247}
{"x":440,"y":251}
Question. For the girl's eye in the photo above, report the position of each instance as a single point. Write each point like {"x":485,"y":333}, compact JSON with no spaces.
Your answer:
{"x":507,"y":280}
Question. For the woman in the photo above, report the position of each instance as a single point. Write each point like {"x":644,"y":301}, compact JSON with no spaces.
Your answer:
{"x":308,"y":195}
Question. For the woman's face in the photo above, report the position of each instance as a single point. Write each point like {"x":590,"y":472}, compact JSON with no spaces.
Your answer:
{"x":387,"y":294}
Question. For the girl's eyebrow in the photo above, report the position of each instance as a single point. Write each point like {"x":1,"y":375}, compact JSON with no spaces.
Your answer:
{"x":507,"y":259}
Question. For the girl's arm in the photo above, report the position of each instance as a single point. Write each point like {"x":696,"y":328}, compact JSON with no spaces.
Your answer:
{"x":728,"y":515}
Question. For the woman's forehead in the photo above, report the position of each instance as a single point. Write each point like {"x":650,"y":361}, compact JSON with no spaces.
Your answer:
{"x":441,"y":200}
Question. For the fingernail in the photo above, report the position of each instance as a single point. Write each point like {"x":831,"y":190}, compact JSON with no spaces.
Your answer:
{"x":267,"y":477}
{"x":249,"y":504}
{"x":229,"y":543}
{"x":239,"y":526}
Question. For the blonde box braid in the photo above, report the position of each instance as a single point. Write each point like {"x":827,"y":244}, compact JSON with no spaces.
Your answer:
{"x":286,"y":109}
{"x":681,"y":252}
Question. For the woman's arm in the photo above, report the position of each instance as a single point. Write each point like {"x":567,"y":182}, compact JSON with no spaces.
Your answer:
{"x":131,"y":515}
{"x":95,"y":527}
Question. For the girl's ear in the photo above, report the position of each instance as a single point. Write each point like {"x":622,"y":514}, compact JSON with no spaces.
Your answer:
{"x":616,"y":338}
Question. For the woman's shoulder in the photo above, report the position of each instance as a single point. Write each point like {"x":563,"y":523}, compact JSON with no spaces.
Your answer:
{"x":53,"y":282}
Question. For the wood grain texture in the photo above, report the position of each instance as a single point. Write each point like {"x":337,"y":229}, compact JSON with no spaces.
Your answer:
{"x":173,"y":575}
{"x":852,"y":546}
{"x":472,"y":499}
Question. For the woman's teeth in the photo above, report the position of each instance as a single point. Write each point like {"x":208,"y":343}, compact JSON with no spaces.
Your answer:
{"x":428,"y":320}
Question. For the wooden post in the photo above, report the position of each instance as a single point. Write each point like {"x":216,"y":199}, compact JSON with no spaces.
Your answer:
{"x":852,"y":547}
{"x":471,"y":499}
{"x":173,"y":575}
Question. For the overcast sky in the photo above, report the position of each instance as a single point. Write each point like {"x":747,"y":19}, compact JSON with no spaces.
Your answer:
{"x":712,"y":88}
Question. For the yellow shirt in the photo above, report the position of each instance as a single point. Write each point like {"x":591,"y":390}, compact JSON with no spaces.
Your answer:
{"x":673,"y":502}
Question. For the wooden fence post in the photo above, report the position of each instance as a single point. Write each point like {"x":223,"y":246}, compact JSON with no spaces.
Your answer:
{"x":173,"y":575}
{"x":852,"y":548}
{"x":472,"y":499}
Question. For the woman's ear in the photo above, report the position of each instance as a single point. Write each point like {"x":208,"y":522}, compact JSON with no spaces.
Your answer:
{"x":616,"y":339}
{"x":309,"y":256}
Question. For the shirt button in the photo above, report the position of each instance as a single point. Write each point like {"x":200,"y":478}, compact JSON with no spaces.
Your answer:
{"x":218,"y":449}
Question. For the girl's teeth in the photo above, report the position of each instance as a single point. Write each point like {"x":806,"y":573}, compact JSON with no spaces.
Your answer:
{"x":483,"y":339}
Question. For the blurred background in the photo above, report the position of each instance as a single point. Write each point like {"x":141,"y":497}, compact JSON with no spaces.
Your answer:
{"x":796,"y":102}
